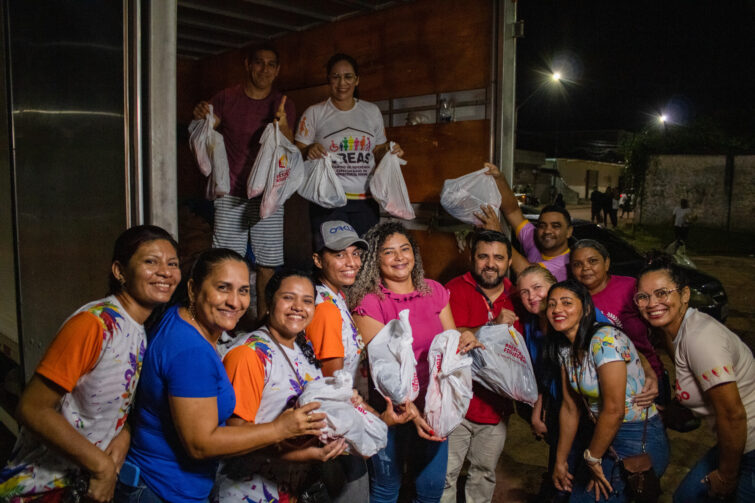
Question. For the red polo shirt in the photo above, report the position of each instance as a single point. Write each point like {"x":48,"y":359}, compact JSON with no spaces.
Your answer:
{"x":470,"y":309}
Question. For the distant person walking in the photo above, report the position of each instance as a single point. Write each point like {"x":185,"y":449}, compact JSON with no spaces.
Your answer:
{"x":560,"y":200}
{"x":614,"y":207}
{"x":681,"y":219}
{"x":606,"y":201}
{"x":596,"y":204}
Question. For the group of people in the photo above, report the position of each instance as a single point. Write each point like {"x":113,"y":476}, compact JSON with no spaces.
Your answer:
{"x":133,"y":401}
{"x":606,"y":205}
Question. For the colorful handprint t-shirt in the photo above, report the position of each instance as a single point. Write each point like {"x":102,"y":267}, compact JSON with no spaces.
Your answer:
{"x":265,"y":385}
{"x":607,"y":345}
{"x":96,"y":357}
{"x":708,"y":354}
{"x":349,"y":135}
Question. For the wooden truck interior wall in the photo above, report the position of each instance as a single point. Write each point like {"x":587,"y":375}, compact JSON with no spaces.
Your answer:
{"x":420,"y":48}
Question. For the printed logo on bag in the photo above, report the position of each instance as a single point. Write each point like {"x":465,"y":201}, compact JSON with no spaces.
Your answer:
{"x":415,"y":383}
{"x":514,"y":352}
{"x":282,"y":176}
{"x":438,"y":362}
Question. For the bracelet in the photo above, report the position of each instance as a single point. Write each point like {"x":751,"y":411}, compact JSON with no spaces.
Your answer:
{"x":590,"y":459}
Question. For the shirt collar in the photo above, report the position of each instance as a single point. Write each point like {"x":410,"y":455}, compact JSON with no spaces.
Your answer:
{"x":401,"y":297}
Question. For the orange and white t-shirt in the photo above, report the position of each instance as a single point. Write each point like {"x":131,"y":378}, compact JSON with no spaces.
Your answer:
{"x":96,"y":357}
{"x":708,"y":354}
{"x":332,"y":332}
{"x":265,"y":386}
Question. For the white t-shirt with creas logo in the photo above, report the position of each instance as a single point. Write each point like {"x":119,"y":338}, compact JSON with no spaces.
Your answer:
{"x":351,"y":135}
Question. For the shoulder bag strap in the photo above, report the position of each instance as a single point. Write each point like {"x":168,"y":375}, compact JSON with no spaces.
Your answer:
{"x":293,"y":369}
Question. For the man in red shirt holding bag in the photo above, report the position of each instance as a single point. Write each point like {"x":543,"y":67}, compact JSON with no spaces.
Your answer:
{"x":480,"y":297}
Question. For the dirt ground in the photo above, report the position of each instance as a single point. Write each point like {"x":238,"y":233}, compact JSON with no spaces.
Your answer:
{"x":524,"y":459}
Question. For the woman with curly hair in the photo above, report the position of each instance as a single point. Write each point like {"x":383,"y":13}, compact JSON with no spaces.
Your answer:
{"x":391,"y":280}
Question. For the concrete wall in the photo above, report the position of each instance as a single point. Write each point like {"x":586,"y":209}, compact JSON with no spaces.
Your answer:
{"x":701,"y":179}
{"x":574,"y":172}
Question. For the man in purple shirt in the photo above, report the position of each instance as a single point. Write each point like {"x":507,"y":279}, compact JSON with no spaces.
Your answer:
{"x":545,"y":243}
{"x":241,"y":113}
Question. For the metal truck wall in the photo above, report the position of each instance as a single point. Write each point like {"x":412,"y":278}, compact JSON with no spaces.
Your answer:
{"x":66,"y":77}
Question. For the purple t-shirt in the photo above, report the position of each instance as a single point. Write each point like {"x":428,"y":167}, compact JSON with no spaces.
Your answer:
{"x":615,"y":300}
{"x":242,"y":121}
{"x":556,"y":265}
{"x":424,"y":318}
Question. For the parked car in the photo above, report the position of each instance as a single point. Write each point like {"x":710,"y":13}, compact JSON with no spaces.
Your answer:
{"x":708,"y":294}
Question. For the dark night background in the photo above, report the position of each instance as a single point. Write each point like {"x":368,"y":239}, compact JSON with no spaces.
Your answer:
{"x":627,"y":61}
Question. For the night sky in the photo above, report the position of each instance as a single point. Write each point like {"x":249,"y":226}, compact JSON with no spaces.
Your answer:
{"x":629,"y":60}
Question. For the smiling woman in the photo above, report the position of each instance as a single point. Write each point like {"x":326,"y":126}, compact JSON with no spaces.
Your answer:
{"x":75,"y":407}
{"x":601,"y":368}
{"x":185,"y":397}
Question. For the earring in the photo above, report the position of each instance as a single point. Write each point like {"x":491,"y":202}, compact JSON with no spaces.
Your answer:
{"x":122,"y":281}
{"x":193,"y":311}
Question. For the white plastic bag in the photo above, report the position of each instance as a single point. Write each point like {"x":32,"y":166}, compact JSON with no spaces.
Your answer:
{"x":263,"y":163}
{"x":285,"y":170}
{"x":208,"y":147}
{"x":504,"y":366}
{"x":392,"y":363}
{"x":450,"y":388}
{"x":463,"y":196}
{"x":322,"y":185}
{"x":364,"y":432}
{"x":388,"y":188}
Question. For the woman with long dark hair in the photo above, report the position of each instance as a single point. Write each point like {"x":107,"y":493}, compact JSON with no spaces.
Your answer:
{"x":352,"y":130}
{"x":715,"y":377}
{"x":73,"y":411}
{"x":185,"y":397}
{"x":600,"y":368}
{"x":269,"y":369}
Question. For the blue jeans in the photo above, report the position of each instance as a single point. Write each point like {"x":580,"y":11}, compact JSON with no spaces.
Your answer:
{"x":693,"y":490}
{"x":427,"y":466}
{"x":627,"y":442}
{"x":138,"y":494}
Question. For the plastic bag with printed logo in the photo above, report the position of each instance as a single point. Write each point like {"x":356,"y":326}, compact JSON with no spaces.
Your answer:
{"x":504,"y":366}
{"x":463,"y":196}
{"x":208,"y":147}
{"x":388,"y":188}
{"x":276,"y":153}
{"x":364,"y":432}
{"x":284,"y":170}
{"x":321,"y":184}
{"x":392,"y":364}
{"x":450,"y":388}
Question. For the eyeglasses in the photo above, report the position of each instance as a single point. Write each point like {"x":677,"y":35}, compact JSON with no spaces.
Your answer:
{"x":643,"y":299}
{"x":348,"y":77}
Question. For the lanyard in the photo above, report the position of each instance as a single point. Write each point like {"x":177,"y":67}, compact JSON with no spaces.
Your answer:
{"x":488,"y":304}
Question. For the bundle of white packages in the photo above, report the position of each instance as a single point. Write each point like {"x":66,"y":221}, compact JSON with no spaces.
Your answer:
{"x":321,"y":185}
{"x":364,"y":432}
{"x":208,"y":147}
{"x":388,"y":188}
{"x":463,"y":196}
{"x":504,"y":366}
{"x":392,"y":364}
{"x":450,"y":388}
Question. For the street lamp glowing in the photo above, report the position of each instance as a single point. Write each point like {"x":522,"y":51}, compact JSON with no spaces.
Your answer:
{"x":556,"y":76}
{"x":662,"y":118}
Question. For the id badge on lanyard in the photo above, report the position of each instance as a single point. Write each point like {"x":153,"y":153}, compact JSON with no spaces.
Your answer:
{"x":488,"y":305}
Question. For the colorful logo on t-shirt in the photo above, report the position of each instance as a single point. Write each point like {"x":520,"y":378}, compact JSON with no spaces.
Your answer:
{"x":303,"y":129}
{"x":351,"y":144}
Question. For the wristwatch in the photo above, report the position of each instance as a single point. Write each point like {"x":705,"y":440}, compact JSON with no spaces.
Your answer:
{"x":590,"y":459}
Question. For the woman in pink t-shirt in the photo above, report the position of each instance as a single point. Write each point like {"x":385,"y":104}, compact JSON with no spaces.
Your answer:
{"x":391,"y":280}
{"x":613,"y":294}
